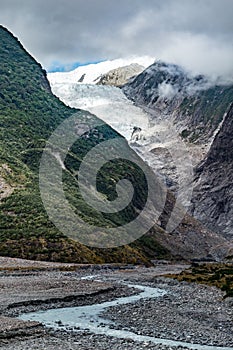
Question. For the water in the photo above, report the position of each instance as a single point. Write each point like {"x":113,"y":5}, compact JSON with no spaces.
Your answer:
{"x":89,"y":318}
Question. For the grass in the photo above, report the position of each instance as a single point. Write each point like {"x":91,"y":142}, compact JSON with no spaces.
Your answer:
{"x":219,"y":275}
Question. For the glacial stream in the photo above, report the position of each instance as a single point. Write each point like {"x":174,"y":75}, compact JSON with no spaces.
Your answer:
{"x":89,"y":318}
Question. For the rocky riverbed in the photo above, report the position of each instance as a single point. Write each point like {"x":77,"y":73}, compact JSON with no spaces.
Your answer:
{"x":187,"y":312}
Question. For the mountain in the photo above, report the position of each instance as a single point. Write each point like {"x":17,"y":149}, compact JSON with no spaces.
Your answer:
{"x":153,"y":144}
{"x":120,"y":76}
{"x":195,"y":105}
{"x":200,"y":112}
{"x":29,"y":113}
{"x":213,"y":193}
{"x":92,"y":73}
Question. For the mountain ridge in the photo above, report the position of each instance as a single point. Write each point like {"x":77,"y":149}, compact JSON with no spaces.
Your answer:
{"x":195,"y":105}
{"x":109,"y":104}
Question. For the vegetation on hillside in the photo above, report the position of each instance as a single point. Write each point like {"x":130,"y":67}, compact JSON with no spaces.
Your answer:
{"x":29,"y":113}
{"x":206,"y":109}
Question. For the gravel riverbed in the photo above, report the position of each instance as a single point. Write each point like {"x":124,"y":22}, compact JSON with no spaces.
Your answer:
{"x":188,"y":312}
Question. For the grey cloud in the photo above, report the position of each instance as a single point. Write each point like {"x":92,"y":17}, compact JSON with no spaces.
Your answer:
{"x":194,"y":33}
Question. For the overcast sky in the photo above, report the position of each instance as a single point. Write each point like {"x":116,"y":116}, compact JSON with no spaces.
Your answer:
{"x":195,"y":33}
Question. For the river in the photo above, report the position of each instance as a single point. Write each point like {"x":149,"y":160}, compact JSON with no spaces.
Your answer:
{"x":90,"y":318}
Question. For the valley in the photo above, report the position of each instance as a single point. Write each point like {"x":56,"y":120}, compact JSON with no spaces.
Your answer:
{"x":27,"y":232}
{"x":155,"y":137}
{"x":171,"y":120}
{"x":163,"y":282}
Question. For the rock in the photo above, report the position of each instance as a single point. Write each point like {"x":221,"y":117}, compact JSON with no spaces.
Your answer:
{"x":121,"y":75}
{"x":213,"y":193}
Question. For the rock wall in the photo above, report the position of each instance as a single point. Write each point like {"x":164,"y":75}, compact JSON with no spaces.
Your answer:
{"x":213,"y":194}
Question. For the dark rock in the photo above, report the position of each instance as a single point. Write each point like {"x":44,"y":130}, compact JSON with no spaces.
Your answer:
{"x":213,"y":194}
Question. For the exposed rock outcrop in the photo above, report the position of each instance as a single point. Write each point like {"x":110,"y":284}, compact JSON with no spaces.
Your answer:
{"x":121,"y":75}
{"x":5,"y":188}
{"x":213,"y":194}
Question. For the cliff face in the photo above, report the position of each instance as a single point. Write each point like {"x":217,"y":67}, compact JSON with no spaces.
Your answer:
{"x":213,"y":194}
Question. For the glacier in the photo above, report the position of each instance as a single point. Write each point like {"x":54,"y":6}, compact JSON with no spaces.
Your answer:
{"x":148,"y":132}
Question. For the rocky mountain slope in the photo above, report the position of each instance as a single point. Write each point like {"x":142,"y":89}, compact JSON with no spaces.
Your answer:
{"x":195,"y":105}
{"x":199,"y":110}
{"x":121,"y":75}
{"x":213,"y":194}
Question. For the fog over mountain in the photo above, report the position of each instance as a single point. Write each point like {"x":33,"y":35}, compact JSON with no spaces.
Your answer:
{"x":189,"y":33}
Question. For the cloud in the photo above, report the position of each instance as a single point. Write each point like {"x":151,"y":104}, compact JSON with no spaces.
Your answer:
{"x":201,"y":54}
{"x":166,"y":90}
{"x":194,"y":33}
